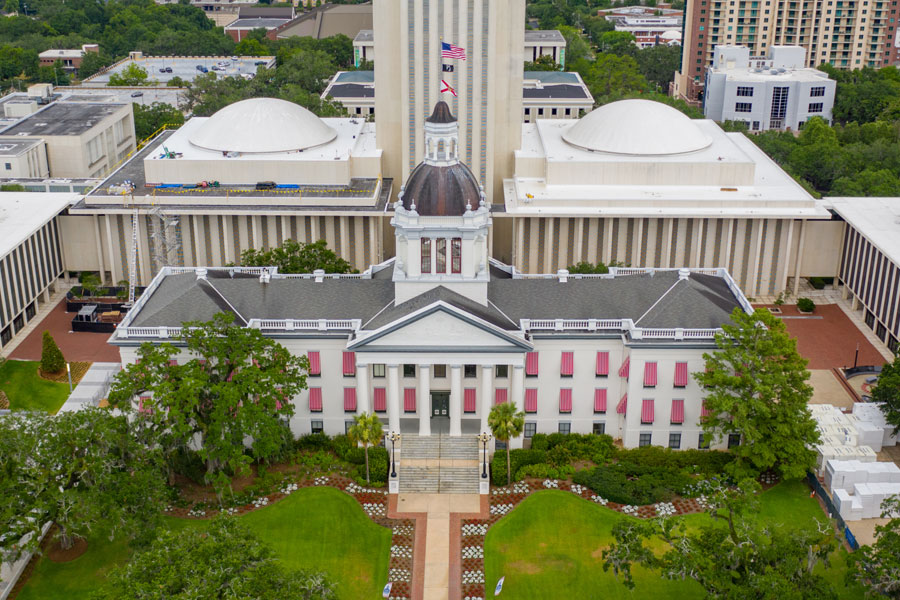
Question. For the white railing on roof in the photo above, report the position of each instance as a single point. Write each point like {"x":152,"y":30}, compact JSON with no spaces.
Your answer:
{"x":309,"y":324}
{"x":623,"y":325}
{"x":677,"y":334}
{"x":615,"y":272}
{"x":572,"y":324}
{"x":163,"y":333}
{"x":325,"y":276}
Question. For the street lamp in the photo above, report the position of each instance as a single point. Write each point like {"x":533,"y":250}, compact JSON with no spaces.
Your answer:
{"x":394,"y":437}
{"x":69,"y":373}
{"x":484,"y":438}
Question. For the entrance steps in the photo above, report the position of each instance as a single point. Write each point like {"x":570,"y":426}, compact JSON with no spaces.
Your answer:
{"x":439,"y":464}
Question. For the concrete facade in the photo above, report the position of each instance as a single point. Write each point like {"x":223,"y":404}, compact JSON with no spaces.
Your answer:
{"x":775,"y":93}
{"x":23,"y":158}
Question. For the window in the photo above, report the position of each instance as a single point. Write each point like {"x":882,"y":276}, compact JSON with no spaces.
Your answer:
{"x":743,"y":107}
{"x":650,"y":375}
{"x":426,"y":255}
{"x":315,"y":399}
{"x":498,"y":445}
{"x":779,"y":106}
{"x":440,"y":371}
{"x":349,"y":364}
{"x":409,"y":400}
{"x":681,"y":374}
{"x":602,"y":364}
{"x":501,"y":371}
{"x":745,"y":91}
{"x":470,"y":371}
{"x":565,"y":400}
{"x":567,"y":364}
{"x":568,"y":112}
{"x":440,"y":250}
{"x":531,"y":364}
{"x":675,"y":441}
{"x":530,"y":429}
{"x":734,"y":439}
{"x":755,"y":126}
{"x":645,"y":439}
{"x":599,"y":428}
{"x":541,"y":111}
{"x":347,"y":425}
{"x":819,"y":90}
{"x":531,"y":400}
{"x":527,"y":111}
{"x":409,"y":370}
{"x":565,"y":427}
{"x":9,"y":166}
{"x":815,"y":107}
{"x":703,"y":443}
{"x":315,"y":363}
{"x":456,"y":255}
{"x":315,"y":426}
{"x":377,"y":370}
{"x":350,"y":399}
{"x":553,"y":112}
{"x":469,"y":400}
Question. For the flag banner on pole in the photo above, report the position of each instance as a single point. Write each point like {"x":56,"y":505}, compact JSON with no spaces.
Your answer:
{"x":446,"y":88}
{"x":499,"y":587}
{"x":386,"y":592}
{"x":452,"y":51}
{"x":447,"y":68}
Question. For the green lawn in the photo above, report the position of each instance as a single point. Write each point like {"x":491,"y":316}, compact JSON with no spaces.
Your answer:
{"x":26,"y":390}
{"x":551,"y":546}
{"x":315,"y":528}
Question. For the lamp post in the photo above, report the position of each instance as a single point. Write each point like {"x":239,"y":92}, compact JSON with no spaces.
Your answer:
{"x":69,"y":373}
{"x":484,"y":438}
{"x":394,"y":437}
{"x":856,"y":356}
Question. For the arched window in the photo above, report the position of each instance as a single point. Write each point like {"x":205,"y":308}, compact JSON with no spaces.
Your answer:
{"x":426,"y":255}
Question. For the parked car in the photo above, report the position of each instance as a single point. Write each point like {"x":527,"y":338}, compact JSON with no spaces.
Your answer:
{"x":137,"y":94}
{"x":162,"y":69}
{"x":216,"y":68}
{"x":234,"y":59}
{"x":168,"y":69}
{"x":223,"y":63}
{"x":202,"y":69}
{"x":260,"y":63}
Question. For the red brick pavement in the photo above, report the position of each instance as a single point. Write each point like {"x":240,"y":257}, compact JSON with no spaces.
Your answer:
{"x":76,"y":347}
{"x":417,"y":591}
{"x":829,"y":341}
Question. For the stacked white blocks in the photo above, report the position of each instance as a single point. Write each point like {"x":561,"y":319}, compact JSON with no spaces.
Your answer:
{"x":858,"y":488}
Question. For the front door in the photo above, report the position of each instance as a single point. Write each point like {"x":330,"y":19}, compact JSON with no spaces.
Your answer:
{"x":440,"y":404}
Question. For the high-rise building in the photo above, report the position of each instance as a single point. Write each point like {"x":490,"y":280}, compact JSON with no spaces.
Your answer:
{"x":488,"y":84}
{"x":849,"y":34}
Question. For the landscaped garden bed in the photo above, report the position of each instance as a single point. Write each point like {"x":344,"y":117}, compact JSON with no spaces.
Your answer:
{"x":23,"y":385}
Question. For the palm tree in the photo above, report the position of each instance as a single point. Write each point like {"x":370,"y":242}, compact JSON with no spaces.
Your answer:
{"x":506,"y":423}
{"x":366,"y":430}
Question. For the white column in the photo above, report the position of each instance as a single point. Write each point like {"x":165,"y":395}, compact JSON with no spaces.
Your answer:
{"x":424,"y":400}
{"x":362,"y":388}
{"x":99,"y":250}
{"x":393,"y":392}
{"x":109,"y":247}
{"x":799,"y":264}
{"x":487,"y":389}
{"x":455,"y":400}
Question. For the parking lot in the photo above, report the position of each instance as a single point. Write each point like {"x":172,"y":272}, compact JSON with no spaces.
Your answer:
{"x":184,"y":67}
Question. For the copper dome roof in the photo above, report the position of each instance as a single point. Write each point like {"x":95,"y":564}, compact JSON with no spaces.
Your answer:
{"x":441,"y":191}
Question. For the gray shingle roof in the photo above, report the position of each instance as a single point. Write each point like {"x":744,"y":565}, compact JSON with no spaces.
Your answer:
{"x":658,"y":300}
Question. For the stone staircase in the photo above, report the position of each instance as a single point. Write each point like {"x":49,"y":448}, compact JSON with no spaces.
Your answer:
{"x":439,"y":464}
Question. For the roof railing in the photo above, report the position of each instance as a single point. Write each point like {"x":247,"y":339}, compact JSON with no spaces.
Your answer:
{"x":618,"y":325}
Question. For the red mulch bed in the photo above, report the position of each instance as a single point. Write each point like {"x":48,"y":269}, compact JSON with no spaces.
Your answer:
{"x":57,"y":554}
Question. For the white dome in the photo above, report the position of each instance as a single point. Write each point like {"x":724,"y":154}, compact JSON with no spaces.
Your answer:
{"x":638,"y":128}
{"x":261,"y":125}
{"x":672,"y":34}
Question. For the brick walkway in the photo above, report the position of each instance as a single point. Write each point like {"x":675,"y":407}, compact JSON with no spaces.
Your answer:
{"x":829,"y":339}
{"x":76,"y":347}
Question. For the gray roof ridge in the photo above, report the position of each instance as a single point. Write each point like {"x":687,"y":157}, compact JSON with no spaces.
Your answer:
{"x":499,"y":310}
{"x":373,"y":317}
{"x":219,"y":299}
{"x":658,"y":300}
{"x":181,"y":289}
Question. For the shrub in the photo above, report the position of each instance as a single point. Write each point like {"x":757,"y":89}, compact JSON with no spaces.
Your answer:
{"x":559,"y":456}
{"x":518,"y":458}
{"x":806,"y":305}
{"x":379,"y":465}
{"x":313,"y":442}
{"x":52,"y":360}
{"x":629,"y":483}
{"x":187,"y":463}
{"x":543,"y":471}
{"x":706,"y":462}
{"x":817,"y":283}
{"x":342,"y":446}
{"x":596,"y":448}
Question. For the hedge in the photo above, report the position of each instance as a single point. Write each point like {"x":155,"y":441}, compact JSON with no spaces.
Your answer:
{"x":543,"y":471}
{"x":629,"y":483}
{"x":517,"y":458}
{"x":596,"y":448}
{"x":703,"y":462}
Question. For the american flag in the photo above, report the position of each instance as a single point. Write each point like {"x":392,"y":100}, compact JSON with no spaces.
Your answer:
{"x":452,"y":51}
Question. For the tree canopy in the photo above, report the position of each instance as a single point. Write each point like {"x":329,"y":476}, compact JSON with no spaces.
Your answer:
{"x":887,"y":391}
{"x":75,"y":469}
{"x":297,"y":257}
{"x":756,"y":387}
{"x":223,"y":561}
{"x":131,"y":76}
{"x":235,"y":389}
{"x":731,"y":556}
{"x":877,"y":565}
{"x":149,"y":118}
{"x":506,"y":423}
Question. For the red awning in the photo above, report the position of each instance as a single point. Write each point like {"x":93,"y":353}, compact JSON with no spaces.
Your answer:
{"x":603,"y":363}
{"x":565,"y":400}
{"x":409,"y":399}
{"x":600,"y":400}
{"x":469,"y":400}
{"x":623,"y":370}
{"x":567,"y":366}
{"x":380,"y":400}
{"x":677,"y":411}
{"x":650,"y":374}
{"x":350,"y":399}
{"x":647,"y":410}
{"x":531,"y":400}
{"x":315,"y":399}
{"x":531,"y":363}
{"x":173,"y":362}
{"x":622,"y":405}
{"x":349,"y":363}
{"x":500,"y":396}
{"x":681,"y":374}
{"x":315,"y":365}
{"x":704,"y":412}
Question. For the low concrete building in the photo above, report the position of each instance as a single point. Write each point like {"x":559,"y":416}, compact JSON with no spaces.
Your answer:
{"x":870,"y":262}
{"x":775,"y":92}
{"x":82,"y":139}
{"x":31,"y":260}
{"x":70,"y":59}
{"x":23,"y":158}
{"x":545,"y":94}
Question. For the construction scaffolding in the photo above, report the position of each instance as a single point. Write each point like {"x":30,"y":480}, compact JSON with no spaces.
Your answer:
{"x":164,"y":239}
